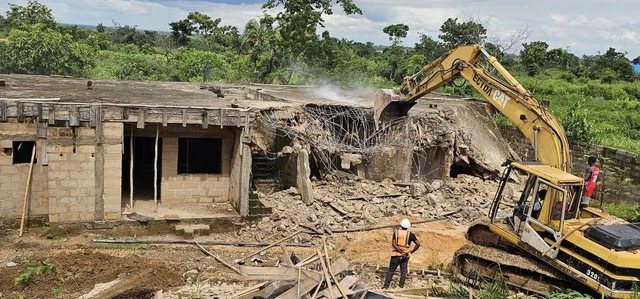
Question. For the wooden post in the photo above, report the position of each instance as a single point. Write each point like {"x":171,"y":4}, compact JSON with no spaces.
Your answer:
{"x":131,"y":170}
{"x":155,"y":172}
{"x":26,"y":189}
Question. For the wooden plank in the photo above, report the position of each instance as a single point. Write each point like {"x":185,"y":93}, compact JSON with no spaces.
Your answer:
{"x":92,"y":116}
{"x":205,"y":119}
{"x":345,"y":284}
{"x":164,"y":118}
{"x":307,"y":284}
{"x":277,"y":273}
{"x":120,"y":285}
{"x":52,"y":114}
{"x":39,"y":109}
{"x":184,"y":118}
{"x":41,"y":130}
{"x":141,"y":115}
{"x":219,"y":259}
{"x":3,"y":111}
{"x":20,"y":111}
{"x":221,"y":118}
{"x":74,"y":117}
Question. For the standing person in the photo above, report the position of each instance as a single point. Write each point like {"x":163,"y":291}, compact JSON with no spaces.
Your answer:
{"x":591,"y":177}
{"x":402,"y":249}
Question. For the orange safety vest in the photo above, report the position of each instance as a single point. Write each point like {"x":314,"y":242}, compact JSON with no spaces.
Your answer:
{"x":401,"y":238}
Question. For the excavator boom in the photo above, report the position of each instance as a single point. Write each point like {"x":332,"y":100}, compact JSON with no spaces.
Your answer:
{"x":528,"y":114}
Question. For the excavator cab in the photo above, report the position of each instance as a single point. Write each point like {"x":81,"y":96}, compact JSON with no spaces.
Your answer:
{"x":549,"y":198}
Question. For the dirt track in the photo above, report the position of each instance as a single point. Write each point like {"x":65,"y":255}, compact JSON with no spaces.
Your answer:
{"x":82,"y":264}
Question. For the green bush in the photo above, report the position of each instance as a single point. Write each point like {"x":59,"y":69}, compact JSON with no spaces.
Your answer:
{"x":627,"y":211}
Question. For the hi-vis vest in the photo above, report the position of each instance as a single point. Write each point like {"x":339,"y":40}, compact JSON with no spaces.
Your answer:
{"x":401,"y":238}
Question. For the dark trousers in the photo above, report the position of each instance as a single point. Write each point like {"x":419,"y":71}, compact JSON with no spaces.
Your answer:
{"x":393,"y":265}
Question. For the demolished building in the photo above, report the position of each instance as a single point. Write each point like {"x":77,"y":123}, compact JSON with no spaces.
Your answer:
{"x":196,"y":150}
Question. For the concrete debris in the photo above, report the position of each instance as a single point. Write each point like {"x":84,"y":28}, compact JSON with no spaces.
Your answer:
{"x":345,"y":203}
{"x":11,"y":264}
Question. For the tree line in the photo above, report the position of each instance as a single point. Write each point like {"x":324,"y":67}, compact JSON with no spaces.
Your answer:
{"x":282,"y":48}
{"x":593,"y":95}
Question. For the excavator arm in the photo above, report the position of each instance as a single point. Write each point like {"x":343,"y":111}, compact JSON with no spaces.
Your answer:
{"x":528,"y":114}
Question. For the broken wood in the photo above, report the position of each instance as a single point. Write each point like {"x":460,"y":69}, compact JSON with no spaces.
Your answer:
{"x":277,"y":273}
{"x":249,"y":290}
{"x":26,"y":189}
{"x":373,"y":196}
{"x":307,"y":284}
{"x":333,"y":276}
{"x":119,"y":286}
{"x":285,"y":257}
{"x":338,"y":209}
{"x":345,"y":284}
{"x":219,"y":260}
{"x":327,"y":276}
{"x":269,"y":246}
{"x":192,"y":242}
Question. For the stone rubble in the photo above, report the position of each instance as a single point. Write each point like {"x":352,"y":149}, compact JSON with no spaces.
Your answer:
{"x":346,"y":202}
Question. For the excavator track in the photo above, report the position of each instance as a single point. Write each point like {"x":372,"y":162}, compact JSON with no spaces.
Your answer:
{"x":492,"y":258}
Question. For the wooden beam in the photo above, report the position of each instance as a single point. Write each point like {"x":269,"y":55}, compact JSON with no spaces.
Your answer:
{"x":307,"y":284}
{"x":277,"y":273}
{"x":39,"y":109}
{"x":221,"y":118}
{"x":3,"y":111}
{"x":205,"y":119}
{"x":92,"y":116}
{"x":165,"y":117}
{"x":20,"y":111}
{"x":184,"y":118}
{"x":155,"y":172}
{"x":131,"y":170}
{"x":74,"y":117}
{"x":41,"y":130}
{"x":141,"y":116}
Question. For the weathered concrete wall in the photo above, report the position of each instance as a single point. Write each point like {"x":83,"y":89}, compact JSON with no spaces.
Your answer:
{"x":13,"y":178}
{"x":620,"y":170}
{"x":71,"y":173}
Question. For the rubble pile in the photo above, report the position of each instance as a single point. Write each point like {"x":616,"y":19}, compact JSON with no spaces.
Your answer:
{"x":348,"y":202}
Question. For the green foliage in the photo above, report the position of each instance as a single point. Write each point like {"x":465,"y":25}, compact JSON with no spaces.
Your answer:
{"x":34,"y":271}
{"x":396,"y":32}
{"x":454,"y":34}
{"x":627,"y":211}
{"x":429,"y":48}
{"x":43,"y":51}
{"x":569,"y":295}
{"x":534,"y":56}
{"x":23,"y":17}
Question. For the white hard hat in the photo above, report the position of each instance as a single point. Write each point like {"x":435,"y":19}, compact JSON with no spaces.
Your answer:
{"x":405,"y":223}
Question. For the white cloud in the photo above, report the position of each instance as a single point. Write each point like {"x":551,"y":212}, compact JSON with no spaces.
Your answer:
{"x":586,"y":29}
{"x":559,"y":18}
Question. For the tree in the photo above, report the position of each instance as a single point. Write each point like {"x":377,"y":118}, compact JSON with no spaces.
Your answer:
{"x":23,"y":17}
{"x":101,"y":28}
{"x":43,"y":51}
{"x":298,"y":22}
{"x":465,"y":33}
{"x":180,"y":31}
{"x":396,"y":33}
{"x":615,"y":61}
{"x":534,"y":56}
{"x":429,"y":48}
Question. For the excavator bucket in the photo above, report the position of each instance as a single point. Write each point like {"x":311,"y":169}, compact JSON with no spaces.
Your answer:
{"x":390,"y":104}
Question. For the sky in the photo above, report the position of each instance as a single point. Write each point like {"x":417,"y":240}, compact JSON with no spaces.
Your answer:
{"x":584,"y":26}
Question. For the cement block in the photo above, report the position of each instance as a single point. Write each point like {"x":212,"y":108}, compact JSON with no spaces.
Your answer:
{"x":68,"y":217}
{"x":112,"y":215}
{"x":191,"y":186}
{"x":58,"y":209}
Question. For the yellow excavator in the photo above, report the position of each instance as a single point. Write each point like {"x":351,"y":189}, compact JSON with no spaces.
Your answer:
{"x":548,"y":242}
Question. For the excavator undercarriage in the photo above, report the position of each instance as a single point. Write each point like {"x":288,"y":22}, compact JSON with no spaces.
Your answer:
{"x":489,"y":258}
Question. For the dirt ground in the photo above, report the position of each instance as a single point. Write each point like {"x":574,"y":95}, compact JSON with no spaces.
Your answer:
{"x":183,"y":269}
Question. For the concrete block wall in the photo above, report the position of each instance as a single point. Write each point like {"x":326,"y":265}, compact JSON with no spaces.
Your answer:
{"x":112,"y":143}
{"x":13,"y":178}
{"x":71,"y":174}
{"x":195,"y":188}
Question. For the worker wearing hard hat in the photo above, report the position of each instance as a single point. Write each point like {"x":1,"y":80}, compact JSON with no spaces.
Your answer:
{"x":402,"y":249}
